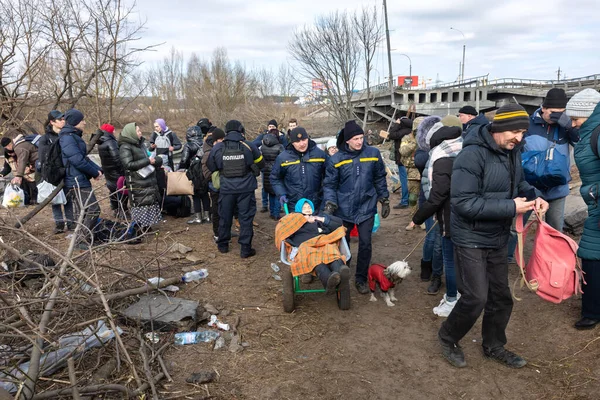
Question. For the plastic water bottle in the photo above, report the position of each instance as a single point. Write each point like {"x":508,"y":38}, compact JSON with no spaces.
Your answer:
{"x":195,"y":337}
{"x":195,"y":275}
{"x":275,"y":267}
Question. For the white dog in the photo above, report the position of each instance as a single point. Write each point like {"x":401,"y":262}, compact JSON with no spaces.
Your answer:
{"x":386,"y":279}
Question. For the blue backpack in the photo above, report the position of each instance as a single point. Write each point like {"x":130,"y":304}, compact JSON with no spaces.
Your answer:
{"x":548,"y":168}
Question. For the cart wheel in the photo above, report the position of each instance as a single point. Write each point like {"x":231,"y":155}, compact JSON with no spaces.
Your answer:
{"x":343,"y":295}
{"x":288,"y":291}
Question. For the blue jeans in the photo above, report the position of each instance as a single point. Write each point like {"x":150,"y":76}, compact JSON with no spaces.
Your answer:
{"x":57,"y":213}
{"x":432,"y":247}
{"x":448,"y":252}
{"x":404,"y":183}
{"x":274,"y":205}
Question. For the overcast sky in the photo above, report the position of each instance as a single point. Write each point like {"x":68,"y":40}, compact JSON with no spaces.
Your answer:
{"x":512,"y":38}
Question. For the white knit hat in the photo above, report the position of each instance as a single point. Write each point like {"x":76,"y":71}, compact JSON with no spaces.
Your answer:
{"x":582,"y":104}
{"x":330,"y":143}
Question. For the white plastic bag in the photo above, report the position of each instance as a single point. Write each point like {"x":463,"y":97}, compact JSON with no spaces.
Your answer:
{"x":45,"y":189}
{"x":13,"y":197}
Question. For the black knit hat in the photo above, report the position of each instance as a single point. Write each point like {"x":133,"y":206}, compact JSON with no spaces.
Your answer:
{"x":272,"y":122}
{"x":5,"y":141}
{"x":555,"y":98}
{"x":234,"y":125}
{"x":297,"y":134}
{"x":217,"y":134}
{"x":351,"y":129}
{"x":470,"y":110}
{"x":511,"y":117}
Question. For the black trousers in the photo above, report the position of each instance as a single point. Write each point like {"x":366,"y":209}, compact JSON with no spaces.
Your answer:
{"x":482,"y":279}
{"x":590,"y":299}
{"x":324,"y":271}
{"x":201,"y":202}
{"x":246,"y":208}
{"x":91,"y":211}
{"x":214,"y":211}
{"x":365,"y":249}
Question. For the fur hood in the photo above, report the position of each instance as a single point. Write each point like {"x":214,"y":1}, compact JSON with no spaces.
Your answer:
{"x":423,"y":129}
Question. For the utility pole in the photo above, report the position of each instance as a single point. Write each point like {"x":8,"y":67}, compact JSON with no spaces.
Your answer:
{"x":389,"y":51}
{"x":558,"y":77}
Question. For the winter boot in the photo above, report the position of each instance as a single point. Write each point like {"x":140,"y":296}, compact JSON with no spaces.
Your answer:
{"x":195,"y":219}
{"x":434,"y":286}
{"x":426,"y":270}
{"x":206,"y":217}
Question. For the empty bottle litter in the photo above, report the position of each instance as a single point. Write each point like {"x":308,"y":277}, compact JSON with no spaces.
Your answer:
{"x":195,"y":337}
{"x":195,"y":275}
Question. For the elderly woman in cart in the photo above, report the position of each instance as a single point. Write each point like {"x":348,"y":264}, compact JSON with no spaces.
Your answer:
{"x":312,"y":244}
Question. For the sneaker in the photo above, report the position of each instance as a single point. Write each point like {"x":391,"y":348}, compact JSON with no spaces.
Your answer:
{"x":434,"y":286}
{"x":362,"y":287}
{"x":250,"y":253}
{"x":505,"y":357}
{"x":196,"y":219}
{"x":410,"y":226}
{"x":453,"y":353}
{"x":223,"y":249}
{"x":445,"y":307}
{"x":71,"y":226}
{"x":306,"y":278}
{"x":423,"y":227}
{"x":264,"y":210}
{"x":333,"y":281}
{"x":59,"y":228}
{"x":400,"y":206}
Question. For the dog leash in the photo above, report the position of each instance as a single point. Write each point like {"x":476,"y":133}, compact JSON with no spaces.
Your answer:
{"x":420,"y":240}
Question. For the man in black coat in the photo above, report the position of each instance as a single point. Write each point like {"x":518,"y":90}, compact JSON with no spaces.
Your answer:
{"x":239,"y":163}
{"x":399,"y":129}
{"x":108,"y":150}
{"x":488,"y":190}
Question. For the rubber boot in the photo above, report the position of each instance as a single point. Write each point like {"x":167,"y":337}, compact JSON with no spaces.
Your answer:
{"x":426,"y":270}
{"x":206,"y":217}
{"x":195,"y":219}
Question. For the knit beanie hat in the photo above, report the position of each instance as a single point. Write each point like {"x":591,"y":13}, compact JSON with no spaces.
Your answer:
{"x":330,"y":143}
{"x":582,"y":104}
{"x":73,"y":117}
{"x":108,"y":128}
{"x":351,"y":129}
{"x":511,"y":117}
{"x":423,"y":129}
{"x":234,"y":125}
{"x":272,"y":122}
{"x":163,"y":125}
{"x":297,"y":134}
{"x":5,"y":141}
{"x":300,"y":204}
{"x":555,"y":98}
{"x":217,"y":134}
{"x":451,"y":120}
{"x":470,"y":110}
{"x":416,"y":123}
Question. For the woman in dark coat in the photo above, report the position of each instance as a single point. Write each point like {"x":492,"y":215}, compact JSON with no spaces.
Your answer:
{"x":192,"y":152}
{"x":141,"y":176}
{"x":270,"y":149}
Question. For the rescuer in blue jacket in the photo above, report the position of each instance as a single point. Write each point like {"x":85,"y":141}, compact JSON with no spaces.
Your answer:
{"x":354,"y":183}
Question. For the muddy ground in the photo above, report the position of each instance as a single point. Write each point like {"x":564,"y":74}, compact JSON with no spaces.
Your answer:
{"x":368,"y":352}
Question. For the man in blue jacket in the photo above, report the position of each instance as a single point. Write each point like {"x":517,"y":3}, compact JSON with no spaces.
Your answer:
{"x":298,"y":172}
{"x":79,"y":170}
{"x":548,"y":126}
{"x":354,"y":183}
{"x":239,"y":163}
{"x":471,"y":119}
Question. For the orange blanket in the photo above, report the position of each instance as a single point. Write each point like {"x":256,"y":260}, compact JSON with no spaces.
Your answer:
{"x":322,"y":249}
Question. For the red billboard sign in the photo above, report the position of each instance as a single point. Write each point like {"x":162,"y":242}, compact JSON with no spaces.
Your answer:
{"x":408,"y":81}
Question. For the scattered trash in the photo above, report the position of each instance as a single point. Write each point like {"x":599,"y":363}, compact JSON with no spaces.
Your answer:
{"x":215,"y":322}
{"x":195,"y":275}
{"x":71,"y":345}
{"x":155,"y":281}
{"x":166,"y":313}
{"x":180,"y":248}
{"x":275,"y":267}
{"x":219,"y":343}
{"x":276,"y":277}
{"x":152,"y":337}
{"x":195,"y":337}
{"x":202,"y":377}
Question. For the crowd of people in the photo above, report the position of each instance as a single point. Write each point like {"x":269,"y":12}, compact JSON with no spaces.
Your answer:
{"x":464,"y":173}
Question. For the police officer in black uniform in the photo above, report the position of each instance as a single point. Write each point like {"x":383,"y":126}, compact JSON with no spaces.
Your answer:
{"x":238,"y":162}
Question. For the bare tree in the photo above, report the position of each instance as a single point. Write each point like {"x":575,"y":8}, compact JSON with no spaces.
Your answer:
{"x":330,"y":52}
{"x":369,"y":33}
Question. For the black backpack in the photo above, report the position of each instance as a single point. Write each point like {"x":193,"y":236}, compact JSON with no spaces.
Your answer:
{"x":53,"y":169}
{"x":194,"y":173}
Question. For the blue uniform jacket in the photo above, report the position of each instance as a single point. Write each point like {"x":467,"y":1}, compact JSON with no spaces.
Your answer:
{"x":246,"y":183}
{"x":354,"y":181}
{"x":297,"y":175}
{"x":79,"y":168}
{"x":540,"y":137}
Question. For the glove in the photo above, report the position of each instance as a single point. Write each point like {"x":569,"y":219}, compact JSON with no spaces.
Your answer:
{"x":385,"y":207}
{"x":561,"y":119}
{"x":283,"y":200}
{"x":330,"y":208}
{"x":255,"y":170}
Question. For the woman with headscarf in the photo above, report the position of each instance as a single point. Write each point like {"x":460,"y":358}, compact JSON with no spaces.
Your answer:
{"x":140,"y":172}
{"x":164,"y":142}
